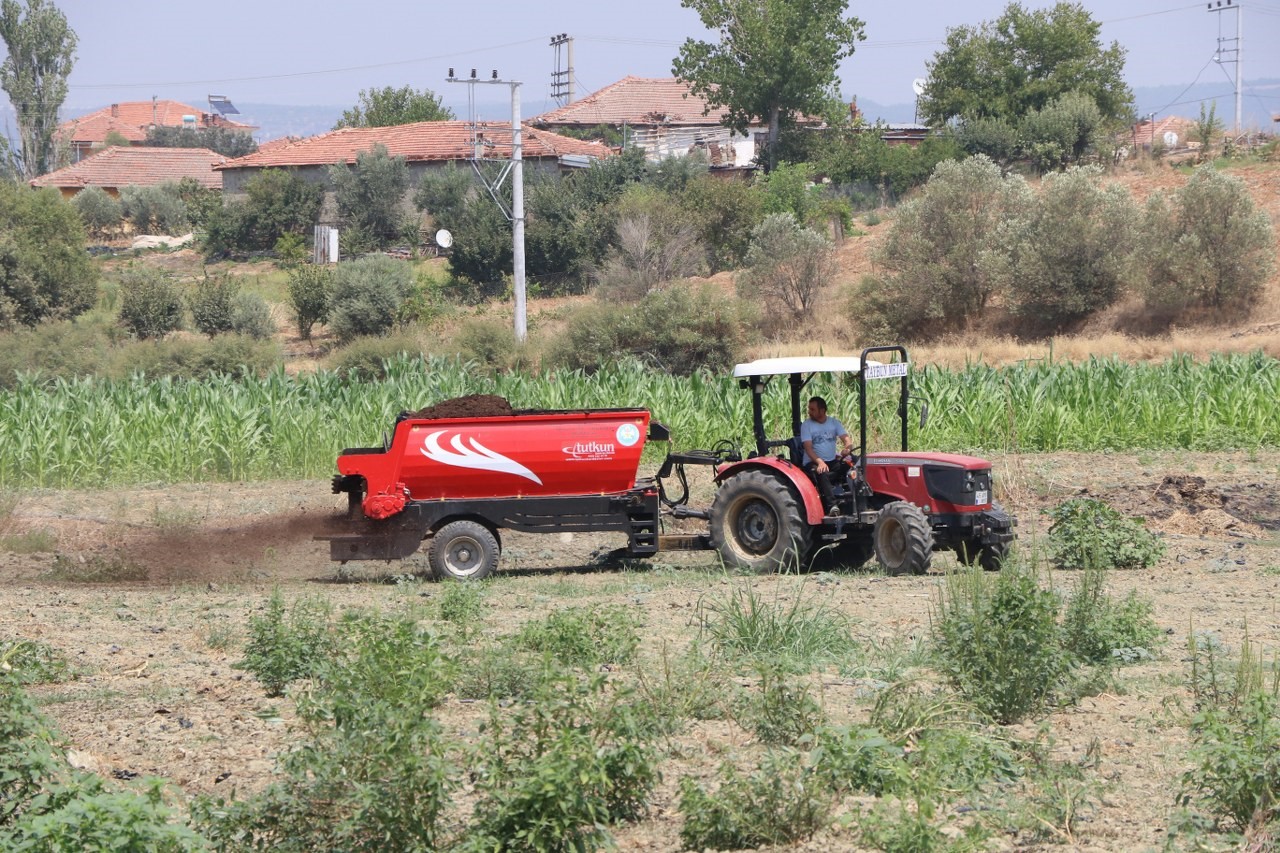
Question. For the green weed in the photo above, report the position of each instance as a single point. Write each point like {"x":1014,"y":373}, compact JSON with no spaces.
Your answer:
{"x":796,"y":635}
{"x":782,"y":712}
{"x":29,"y":542}
{"x":582,"y":636}
{"x":96,"y":569}
{"x":1087,"y":533}
{"x":33,"y":662}
{"x":286,"y":645}
{"x":780,"y":802}
{"x":999,"y":642}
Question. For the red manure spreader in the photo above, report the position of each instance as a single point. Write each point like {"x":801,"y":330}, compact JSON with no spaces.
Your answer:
{"x":453,"y":477}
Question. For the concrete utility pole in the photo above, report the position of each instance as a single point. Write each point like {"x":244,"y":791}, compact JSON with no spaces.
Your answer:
{"x":561,"y":79}
{"x":514,"y":167}
{"x":1237,"y":49}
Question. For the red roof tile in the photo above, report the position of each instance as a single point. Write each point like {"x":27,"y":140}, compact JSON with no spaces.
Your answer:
{"x":132,"y":119}
{"x":138,"y":166}
{"x":1144,"y":132}
{"x":636,"y":101}
{"x":424,"y":141}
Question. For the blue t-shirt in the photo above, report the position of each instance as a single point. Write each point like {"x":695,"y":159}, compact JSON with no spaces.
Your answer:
{"x":823,"y":435}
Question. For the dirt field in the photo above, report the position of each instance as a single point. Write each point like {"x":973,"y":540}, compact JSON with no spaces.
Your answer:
{"x":148,"y":591}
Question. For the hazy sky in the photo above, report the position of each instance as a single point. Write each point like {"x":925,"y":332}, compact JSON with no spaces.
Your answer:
{"x":324,"y":53}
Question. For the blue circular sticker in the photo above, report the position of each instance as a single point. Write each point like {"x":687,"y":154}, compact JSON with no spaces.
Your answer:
{"x":628,"y":434}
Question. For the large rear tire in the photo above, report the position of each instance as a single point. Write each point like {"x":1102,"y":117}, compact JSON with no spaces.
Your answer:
{"x":903,"y":539}
{"x":463,"y":551}
{"x":757,"y":523}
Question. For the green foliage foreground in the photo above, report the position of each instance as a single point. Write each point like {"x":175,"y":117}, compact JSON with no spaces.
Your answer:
{"x":92,"y":432}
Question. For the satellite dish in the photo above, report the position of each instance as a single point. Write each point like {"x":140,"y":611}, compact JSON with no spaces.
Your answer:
{"x":917,"y":85}
{"x":444,"y":239}
{"x":1170,"y":139}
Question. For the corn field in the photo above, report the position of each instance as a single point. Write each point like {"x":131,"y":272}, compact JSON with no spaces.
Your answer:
{"x":92,"y":432}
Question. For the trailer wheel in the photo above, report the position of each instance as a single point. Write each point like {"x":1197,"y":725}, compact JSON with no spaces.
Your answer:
{"x":757,"y":523}
{"x":903,"y":539}
{"x":463,"y":551}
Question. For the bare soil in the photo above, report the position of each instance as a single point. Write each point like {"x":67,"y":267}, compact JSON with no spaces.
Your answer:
{"x":148,"y":592}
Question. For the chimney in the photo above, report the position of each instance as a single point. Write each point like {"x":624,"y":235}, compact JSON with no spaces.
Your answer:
{"x":115,"y":111}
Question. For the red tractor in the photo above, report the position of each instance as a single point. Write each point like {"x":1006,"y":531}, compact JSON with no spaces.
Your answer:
{"x":458,"y":482}
{"x":900,"y":506}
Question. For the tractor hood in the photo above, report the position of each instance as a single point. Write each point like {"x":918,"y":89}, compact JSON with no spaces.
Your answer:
{"x":948,"y":460}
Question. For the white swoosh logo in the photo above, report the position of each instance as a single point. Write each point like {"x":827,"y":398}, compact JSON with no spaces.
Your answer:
{"x":477,"y":457}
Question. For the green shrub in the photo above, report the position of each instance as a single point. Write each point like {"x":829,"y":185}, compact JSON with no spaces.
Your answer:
{"x":687,"y":688}
{"x":1210,"y":248}
{"x":783,"y":711}
{"x":367,"y":358}
{"x":654,"y":244}
{"x":681,"y":330}
{"x":787,"y":267}
{"x":941,"y":259}
{"x":1234,"y":744}
{"x":779,"y":803}
{"x":582,"y":637}
{"x":796,"y":633}
{"x":290,"y":251}
{"x":463,"y":606}
{"x":369,"y":196}
{"x":96,"y":819}
{"x":901,"y":829}
{"x":310,"y":291}
{"x":553,"y":773}
{"x":155,"y":209}
{"x":1099,"y":629}
{"x":100,"y":213}
{"x":999,"y":642}
{"x":497,"y":672}
{"x":367,"y":296}
{"x":724,"y":213}
{"x":63,"y":349}
{"x":490,"y":343}
{"x":286,"y":646}
{"x":1087,"y":532}
{"x":150,"y":302}
{"x":1062,"y":133}
{"x":852,"y":759}
{"x":1071,"y":255}
{"x":251,"y":317}
{"x":45,"y":273}
{"x":200,"y":201}
{"x":226,"y":355}
{"x":276,"y":202}
{"x":211,"y":303}
{"x":33,"y":662}
{"x":374,"y":764}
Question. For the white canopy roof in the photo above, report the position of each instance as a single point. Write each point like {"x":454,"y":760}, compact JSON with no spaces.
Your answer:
{"x":800,"y":364}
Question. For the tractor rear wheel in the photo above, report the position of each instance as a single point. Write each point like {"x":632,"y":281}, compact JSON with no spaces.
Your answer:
{"x":903,"y":539}
{"x":757,"y":523}
{"x":463,"y":550}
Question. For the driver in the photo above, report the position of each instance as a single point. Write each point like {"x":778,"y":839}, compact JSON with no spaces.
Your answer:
{"x":820,"y":435}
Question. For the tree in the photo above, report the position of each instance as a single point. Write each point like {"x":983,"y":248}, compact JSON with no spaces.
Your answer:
{"x":387,"y":106}
{"x":1062,"y":133}
{"x":370,"y":196}
{"x":222,"y":140}
{"x":787,"y":265}
{"x":100,"y":212}
{"x":41,"y":55}
{"x":941,"y":258}
{"x":776,"y":59}
{"x":1071,"y":254}
{"x":45,"y":273}
{"x":1021,"y":62}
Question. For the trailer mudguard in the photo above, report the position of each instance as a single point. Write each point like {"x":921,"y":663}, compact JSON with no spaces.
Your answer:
{"x":789,"y":473}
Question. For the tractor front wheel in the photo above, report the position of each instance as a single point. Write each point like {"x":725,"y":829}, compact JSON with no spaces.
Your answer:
{"x":463,"y":551}
{"x":757,"y":523}
{"x":903,"y":539}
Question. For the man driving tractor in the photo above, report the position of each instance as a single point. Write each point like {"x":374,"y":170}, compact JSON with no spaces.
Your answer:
{"x":820,"y":436}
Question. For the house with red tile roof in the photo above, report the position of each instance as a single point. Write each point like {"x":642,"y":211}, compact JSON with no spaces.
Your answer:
{"x":424,"y":145}
{"x":117,"y":167}
{"x":1170,"y":133}
{"x":132,"y":119}
{"x":662,"y":116}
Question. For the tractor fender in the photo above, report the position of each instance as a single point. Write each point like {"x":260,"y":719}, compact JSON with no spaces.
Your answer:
{"x":789,"y":473}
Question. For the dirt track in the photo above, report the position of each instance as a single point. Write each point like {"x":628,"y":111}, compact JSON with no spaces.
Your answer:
{"x":155,"y":646}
